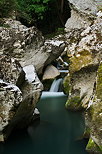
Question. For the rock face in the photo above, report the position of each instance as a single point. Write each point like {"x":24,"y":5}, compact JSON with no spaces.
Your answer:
{"x":27,"y":45}
{"x":22,"y":48}
{"x":84,"y":55}
{"x":20,"y":90}
{"x":82,"y":14}
{"x":83,"y":83}
{"x":10,"y":98}
{"x":94,"y":116}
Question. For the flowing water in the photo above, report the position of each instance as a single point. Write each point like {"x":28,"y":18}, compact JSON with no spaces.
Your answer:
{"x":55,"y":85}
{"x":57,"y":132}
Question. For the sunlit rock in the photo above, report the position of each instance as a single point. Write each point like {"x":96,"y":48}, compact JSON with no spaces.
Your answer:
{"x":83,"y":12}
{"x":51,"y":72}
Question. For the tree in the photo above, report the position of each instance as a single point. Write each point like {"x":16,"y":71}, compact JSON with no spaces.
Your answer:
{"x":7,"y":7}
{"x":31,"y":10}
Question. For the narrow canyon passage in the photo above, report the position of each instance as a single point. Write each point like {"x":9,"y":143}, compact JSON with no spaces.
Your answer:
{"x":57,"y":132}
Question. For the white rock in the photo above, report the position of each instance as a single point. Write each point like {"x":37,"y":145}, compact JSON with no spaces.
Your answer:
{"x":29,"y":73}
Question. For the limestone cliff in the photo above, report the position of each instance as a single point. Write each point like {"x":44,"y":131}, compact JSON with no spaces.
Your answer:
{"x":84,"y":51}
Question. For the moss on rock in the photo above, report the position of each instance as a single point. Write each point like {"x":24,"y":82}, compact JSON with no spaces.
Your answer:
{"x":66,"y":85}
{"x":92,"y":147}
{"x":82,"y":59}
{"x":86,"y":133}
{"x":95,"y":117}
{"x":74,"y":103}
{"x":99,"y":83}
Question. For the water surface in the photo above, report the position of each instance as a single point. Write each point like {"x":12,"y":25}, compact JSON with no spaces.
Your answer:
{"x":57,"y":132}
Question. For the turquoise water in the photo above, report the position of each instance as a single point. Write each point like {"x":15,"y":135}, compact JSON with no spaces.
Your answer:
{"x":57,"y":132}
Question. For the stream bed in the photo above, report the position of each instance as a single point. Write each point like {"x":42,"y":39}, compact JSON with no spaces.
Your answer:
{"x":57,"y":132}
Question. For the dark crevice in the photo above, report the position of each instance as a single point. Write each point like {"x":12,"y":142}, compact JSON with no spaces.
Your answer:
{"x":54,"y":19}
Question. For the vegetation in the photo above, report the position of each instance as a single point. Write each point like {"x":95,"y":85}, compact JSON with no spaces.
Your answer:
{"x":47,"y":14}
{"x":31,"y":10}
{"x":93,"y":147}
{"x":26,"y":8}
{"x":6,"y":7}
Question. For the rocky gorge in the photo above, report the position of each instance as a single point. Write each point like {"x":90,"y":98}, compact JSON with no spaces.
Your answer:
{"x":24,"y":53}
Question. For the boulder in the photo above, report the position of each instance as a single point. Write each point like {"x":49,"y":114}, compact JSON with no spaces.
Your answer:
{"x":51,"y":72}
{"x":27,"y":45}
{"x":20,"y":90}
{"x":44,"y":55}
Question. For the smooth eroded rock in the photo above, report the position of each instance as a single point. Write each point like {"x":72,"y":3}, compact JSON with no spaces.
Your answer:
{"x":51,"y":72}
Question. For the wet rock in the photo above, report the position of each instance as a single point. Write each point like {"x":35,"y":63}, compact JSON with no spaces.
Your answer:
{"x":36,"y":114}
{"x":66,"y":84}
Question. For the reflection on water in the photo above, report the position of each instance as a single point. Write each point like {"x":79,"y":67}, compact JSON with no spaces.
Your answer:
{"x":56,"y":132}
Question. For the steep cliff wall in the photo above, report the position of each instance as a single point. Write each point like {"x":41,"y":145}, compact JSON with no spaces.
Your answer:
{"x":84,"y":51}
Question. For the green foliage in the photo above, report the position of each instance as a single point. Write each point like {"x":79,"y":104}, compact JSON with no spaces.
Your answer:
{"x":32,"y":10}
{"x":92,"y":147}
{"x":7,"y":7}
{"x":27,"y":9}
{"x":45,"y":14}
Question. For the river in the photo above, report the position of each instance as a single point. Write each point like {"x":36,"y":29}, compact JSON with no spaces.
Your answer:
{"x":57,"y":132}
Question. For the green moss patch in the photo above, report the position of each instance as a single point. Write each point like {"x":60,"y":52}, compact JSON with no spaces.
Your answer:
{"x":93,"y":147}
{"x":74,"y":103}
{"x":66,"y":85}
{"x":86,"y":133}
{"x":81,"y":60}
{"x":99,"y":83}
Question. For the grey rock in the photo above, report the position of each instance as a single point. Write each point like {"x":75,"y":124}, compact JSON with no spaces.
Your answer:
{"x":22,"y":48}
{"x":44,"y":55}
{"x":85,"y":6}
{"x":10,"y":99}
{"x":10,"y":69}
{"x":20,"y":90}
{"x":84,"y":56}
{"x":27,"y":45}
{"x":84,"y":82}
{"x":83,"y":13}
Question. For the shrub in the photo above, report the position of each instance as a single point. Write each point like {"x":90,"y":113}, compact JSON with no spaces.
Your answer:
{"x":7,"y":7}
